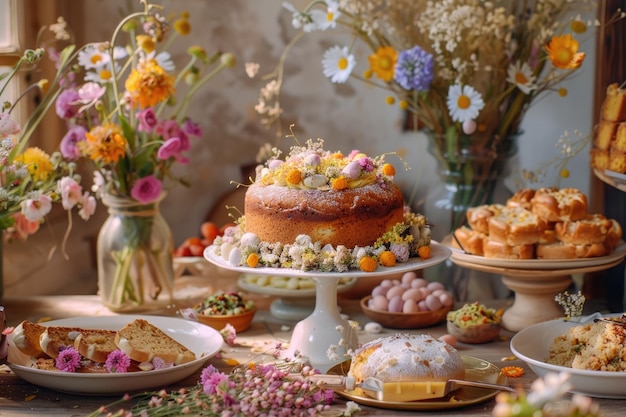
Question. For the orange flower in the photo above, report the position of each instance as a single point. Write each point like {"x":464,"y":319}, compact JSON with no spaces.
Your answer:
{"x":367,"y":264}
{"x":252,"y":260}
{"x":104,"y":144}
{"x":563,"y":52}
{"x":340,"y":183}
{"x":387,"y":258}
{"x":149,"y":84}
{"x":389,"y":170}
{"x":383,"y":62}
{"x":294,"y":177}
{"x":513,"y":371}
{"x":424,"y":252}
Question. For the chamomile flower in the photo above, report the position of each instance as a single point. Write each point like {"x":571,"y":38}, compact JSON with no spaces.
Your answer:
{"x":102,"y":74}
{"x":522,"y":76}
{"x":464,"y":102}
{"x":326,"y":19}
{"x":338,"y":64}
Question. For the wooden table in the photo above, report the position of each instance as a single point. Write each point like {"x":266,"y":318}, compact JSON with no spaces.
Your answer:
{"x":18,"y":397}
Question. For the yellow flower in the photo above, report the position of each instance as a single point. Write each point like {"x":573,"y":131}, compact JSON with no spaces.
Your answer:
{"x":37,"y":162}
{"x":104,"y":144}
{"x":383,"y":62}
{"x":149,"y":84}
{"x":563,"y":52}
{"x":182,"y":26}
{"x":146,"y":43}
{"x":578,"y":26}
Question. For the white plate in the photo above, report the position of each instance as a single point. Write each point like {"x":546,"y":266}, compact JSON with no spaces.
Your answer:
{"x":612,"y":178}
{"x":532,"y":346}
{"x":438,"y":252}
{"x":288,"y":293}
{"x":539,"y":264}
{"x":204,"y":341}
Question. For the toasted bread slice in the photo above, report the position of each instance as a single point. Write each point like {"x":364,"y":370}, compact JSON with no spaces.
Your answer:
{"x":95,"y":345}
{"x":142,"y":342}
{"x":56,"y":338}
{"x":26,"y":338}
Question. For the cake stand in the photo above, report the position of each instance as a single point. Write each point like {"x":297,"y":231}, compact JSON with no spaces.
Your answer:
{"x":325,"y":329}
{"x":536,"y":282}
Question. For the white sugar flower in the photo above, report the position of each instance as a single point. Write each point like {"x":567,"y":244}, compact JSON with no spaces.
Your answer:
{"x":338,"y":64}
{"x":464,"y":103}
{"x":522,"y":76}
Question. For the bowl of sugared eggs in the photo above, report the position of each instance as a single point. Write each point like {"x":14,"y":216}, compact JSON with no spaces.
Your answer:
{"x":408,"y":303}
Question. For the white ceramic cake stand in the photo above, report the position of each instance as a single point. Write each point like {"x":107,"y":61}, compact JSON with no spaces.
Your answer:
{"x":324,"y":329}
{"x":536,"y":282}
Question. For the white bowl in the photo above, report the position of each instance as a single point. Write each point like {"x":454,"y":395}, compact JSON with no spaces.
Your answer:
{"x":532,"y":346}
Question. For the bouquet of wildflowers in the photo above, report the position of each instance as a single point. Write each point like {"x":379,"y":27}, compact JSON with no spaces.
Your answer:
{"x":465,"y":71}
{"x":31,"y":179}
{"x":126,"y":105}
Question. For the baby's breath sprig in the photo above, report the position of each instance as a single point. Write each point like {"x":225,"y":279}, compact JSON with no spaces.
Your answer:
{"x":572,"y":304}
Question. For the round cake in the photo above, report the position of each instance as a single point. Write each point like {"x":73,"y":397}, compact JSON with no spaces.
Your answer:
{"x":324,"y":211}
{"x":350,"y":217}
{"x":406,"y":357}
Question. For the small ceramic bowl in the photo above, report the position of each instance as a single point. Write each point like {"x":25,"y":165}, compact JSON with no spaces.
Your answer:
{"x":241,"y":322}
{"x":479,"y":333}
{"x":404,"y":320}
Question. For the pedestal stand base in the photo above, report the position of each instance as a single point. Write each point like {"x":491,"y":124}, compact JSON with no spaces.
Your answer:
{"x":533,"y":303}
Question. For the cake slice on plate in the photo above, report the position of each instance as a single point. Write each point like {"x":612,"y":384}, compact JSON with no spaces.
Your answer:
{"x":95,"y":344}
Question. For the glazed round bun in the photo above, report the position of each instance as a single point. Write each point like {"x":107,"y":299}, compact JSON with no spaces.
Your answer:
{"x":351,"y":217}
{"x":565,"y":204}
{"x":522,"y":198}
{"x":592,"y":229}
{"x":470,"y":241}
{"x":478,"y":217}
{"x":560,"y":250}
{"x":405,"y":357}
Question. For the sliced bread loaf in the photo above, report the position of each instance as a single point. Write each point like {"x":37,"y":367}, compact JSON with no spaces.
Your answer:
{"x":95,"y":345}
{"x":142,"y":342}
{"x":56,"y":338}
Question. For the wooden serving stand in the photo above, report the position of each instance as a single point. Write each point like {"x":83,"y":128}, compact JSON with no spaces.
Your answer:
{"x":535,"y":289}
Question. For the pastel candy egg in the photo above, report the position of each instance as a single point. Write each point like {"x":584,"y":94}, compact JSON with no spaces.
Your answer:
{"x":419,"y":283}
{"x":446,"y":299}
{"x":386,"y":283}
{"x":408,"y":277}
{"x":274,"y":163}
{"x":432,"y":286}
{"x":380,"y":290}
{"x":395,"y":304}
{"x":433,"y":302}
{"x":225,"y":249}
{"x":352,"y":170}
{"x":312,"y":159}
{"x":373,"y":327}
{"x":234,"y":257}
{"x":413,"y":294}
{"x":315,"y":181}
{"x":380,"y":302}
{"x":395,"y":291}
{"x":250,"y":239}
{"x":422,"y":306}
{"x":410,"y":306}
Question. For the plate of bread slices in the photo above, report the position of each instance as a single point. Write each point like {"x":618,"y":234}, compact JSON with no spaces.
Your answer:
{"x":111,"y":354}
{"x":545,"y":228}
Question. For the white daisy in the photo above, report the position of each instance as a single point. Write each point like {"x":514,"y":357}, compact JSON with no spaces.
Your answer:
{"x":338,"y":64}
{"x":102,"y":74}
{"x":164,"y":59}
{"x":93,"y":56}
{"x":326,"y":19}
{"x":464,"y":103}
{"x":300,"y":19}
{"x":522,"y":76}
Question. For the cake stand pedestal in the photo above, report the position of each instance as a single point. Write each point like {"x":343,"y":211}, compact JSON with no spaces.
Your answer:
{"x":324,"y":337}
{"x":536,"y":282}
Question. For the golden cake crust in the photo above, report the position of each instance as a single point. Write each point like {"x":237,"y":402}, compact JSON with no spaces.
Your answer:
{"x":553,"y":205}
{"x":349,"y":217}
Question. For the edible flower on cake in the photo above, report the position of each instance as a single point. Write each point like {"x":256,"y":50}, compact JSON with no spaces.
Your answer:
{"x":321,"y":210}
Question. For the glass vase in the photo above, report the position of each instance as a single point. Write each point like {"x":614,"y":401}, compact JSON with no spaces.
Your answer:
{"x":134,"y":256}
{"x":470,"y":173}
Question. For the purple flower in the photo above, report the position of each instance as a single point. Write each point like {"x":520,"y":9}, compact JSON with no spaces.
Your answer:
{"x":68,"y":360}
{"x":213,"y":380}
{"x":192,"y":129}
{"x":414,"y":69}
{"x":147,"y":120}
{"x":160,"y":363}
{"x":401,"y":250}
{"x":117,"y":362}
{"x":69,"y":143}
{"x":229,"y":334}
{"x":367,"y":164}
{"x":172,"y":148}
{"x":146,"y":189}
{"x":65,"y":105}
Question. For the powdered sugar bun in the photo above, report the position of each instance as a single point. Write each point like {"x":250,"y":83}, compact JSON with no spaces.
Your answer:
{"x":405,"y":357}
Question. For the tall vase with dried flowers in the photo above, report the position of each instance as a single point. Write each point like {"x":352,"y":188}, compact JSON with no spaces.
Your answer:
{"x":465,"y":70}
{"x":129,"y":118}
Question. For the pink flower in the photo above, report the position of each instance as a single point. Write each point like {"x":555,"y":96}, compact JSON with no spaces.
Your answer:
{"x":117,"y":362}
{"x":172,"y":148}
{"x":213,"y":381}
{"x":22,"y":228}
{"x":35,"y":209}
{"x":192,"y":129}
{"x":8,"y":126}
{"x":168,"y":129}
{"x":68,"y":360}
{"x":147,"y":120}
{"x":71,"y":192}
{"x":68,"y":146}
{"x":229,"y":334}
{"x":159,"y":363}
{"x":88,"y":208}
{"x":89,"y":94}
{"x":146,"y":189}
{"x":65,"y":105}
